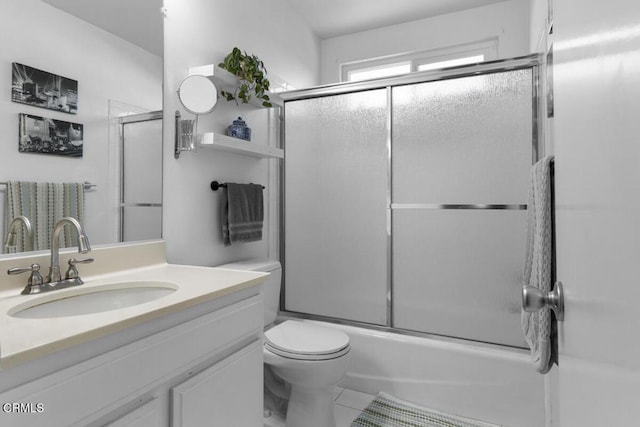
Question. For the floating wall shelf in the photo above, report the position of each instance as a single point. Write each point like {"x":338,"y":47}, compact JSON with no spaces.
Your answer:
{"x":226,"y":81}
{"x":235,"y":145}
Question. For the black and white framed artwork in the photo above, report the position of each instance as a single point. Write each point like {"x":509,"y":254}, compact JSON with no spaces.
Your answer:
{"x":43,"y":89}
{"x":48,"y":136}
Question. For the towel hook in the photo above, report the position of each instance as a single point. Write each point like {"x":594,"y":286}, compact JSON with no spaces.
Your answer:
{"x":533,"y":299}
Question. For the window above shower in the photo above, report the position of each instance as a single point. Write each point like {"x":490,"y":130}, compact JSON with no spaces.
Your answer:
{"x":394,"y":65}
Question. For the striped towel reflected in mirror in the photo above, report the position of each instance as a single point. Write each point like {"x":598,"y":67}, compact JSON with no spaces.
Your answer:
{"x":44,"y":204}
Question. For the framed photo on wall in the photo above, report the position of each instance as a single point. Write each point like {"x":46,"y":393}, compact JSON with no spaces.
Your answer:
{"x":48,"y":136}
{"x":43,"y":89}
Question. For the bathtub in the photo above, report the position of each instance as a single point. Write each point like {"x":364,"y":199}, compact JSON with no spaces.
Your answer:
{"x":490,"y":383}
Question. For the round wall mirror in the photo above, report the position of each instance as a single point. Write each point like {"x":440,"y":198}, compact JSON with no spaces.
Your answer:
{"x":198,"y":94}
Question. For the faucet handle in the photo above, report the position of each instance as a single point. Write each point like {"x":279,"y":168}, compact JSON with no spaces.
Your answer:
{"x":34,"y":282}
{"x":72,"y":271}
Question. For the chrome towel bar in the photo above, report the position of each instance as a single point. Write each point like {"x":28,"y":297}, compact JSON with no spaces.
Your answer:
{"x":435,"y":206}
{"x":87,"y":185}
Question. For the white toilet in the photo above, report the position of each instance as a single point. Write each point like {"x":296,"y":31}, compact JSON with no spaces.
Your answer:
{"x":310,"y":358}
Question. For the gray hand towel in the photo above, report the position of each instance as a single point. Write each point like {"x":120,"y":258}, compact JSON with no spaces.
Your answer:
{"x":537,"y":272}
{"x":242,"y":213}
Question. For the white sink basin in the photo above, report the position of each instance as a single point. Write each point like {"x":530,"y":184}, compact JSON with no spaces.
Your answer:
{"x":78,"y":301}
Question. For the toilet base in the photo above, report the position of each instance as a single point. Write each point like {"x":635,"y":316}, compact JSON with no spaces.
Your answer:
{"x":311,"y":407}
{"x":312,"y":381}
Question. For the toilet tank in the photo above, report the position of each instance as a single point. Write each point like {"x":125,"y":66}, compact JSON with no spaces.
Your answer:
{"x":270,"y":288}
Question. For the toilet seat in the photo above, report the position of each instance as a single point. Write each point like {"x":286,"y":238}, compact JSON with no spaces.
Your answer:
{"x":306,"y":341}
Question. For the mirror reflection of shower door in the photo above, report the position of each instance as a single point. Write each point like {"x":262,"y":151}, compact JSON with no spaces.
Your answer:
{"x":141,"y":180}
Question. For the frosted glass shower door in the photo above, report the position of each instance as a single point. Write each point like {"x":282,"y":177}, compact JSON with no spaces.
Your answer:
{"x":336,"y":187}
{"x":461,"y":155}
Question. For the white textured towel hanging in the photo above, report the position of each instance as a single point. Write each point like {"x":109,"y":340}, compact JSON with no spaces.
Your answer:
{"x":537,"y":271}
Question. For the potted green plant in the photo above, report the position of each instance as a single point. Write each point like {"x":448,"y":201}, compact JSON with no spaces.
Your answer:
{"x":252,"y":74}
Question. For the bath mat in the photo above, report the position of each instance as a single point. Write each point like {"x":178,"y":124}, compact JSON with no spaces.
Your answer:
{"x":389,"y":411}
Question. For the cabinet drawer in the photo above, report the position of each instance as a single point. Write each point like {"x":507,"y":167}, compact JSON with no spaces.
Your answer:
{"x":147,"y":415}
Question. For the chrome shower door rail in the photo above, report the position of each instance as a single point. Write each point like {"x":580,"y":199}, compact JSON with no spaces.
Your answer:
{"x":434,"y":206}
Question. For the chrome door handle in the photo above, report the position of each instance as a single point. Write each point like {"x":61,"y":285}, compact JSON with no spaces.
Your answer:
{"x":533,"y":299}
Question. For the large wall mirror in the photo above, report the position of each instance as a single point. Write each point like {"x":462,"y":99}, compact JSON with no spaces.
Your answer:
{"x":116,"y":59}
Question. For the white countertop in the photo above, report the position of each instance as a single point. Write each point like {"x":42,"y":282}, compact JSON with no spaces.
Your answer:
{"x":23,"y":339}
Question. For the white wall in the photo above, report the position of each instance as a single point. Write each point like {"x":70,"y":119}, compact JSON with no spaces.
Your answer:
{"x":506,"y":21}
{"x":538,"y":24}
{"x":106,"y":68}
{"x":202,"y":32}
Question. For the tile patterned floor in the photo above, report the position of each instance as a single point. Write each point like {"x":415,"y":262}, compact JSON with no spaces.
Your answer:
{"x":349,"y":404}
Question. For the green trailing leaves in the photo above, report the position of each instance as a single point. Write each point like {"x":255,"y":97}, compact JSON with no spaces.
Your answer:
{"x":252,"y":74}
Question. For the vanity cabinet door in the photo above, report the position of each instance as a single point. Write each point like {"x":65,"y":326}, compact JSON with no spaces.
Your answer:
{"x":228,"y":394}
{"x":87,"y":393}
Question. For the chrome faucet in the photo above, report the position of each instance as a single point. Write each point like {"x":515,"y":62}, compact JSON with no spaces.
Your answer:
{"x":83,"y":247}
{"x":12,"y":234}
{"x":36,"y":284}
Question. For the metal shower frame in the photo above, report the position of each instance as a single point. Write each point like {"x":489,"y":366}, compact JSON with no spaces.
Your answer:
{"x":533,"y":62}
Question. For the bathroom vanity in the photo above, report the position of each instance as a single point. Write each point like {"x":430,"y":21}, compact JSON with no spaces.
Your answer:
{"x":189,"y":357}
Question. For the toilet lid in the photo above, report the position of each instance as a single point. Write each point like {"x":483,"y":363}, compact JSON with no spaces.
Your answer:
{"x":299,"y":339}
